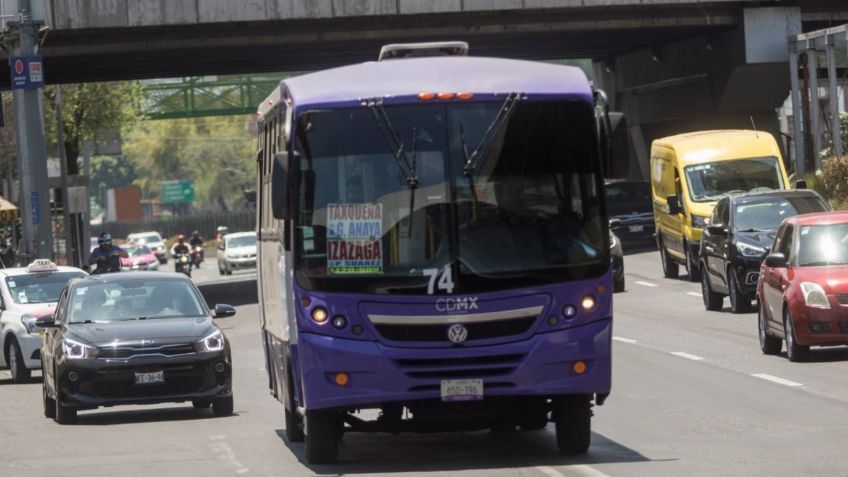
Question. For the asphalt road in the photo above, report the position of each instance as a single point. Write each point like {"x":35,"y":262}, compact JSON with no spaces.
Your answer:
{"x":692,"y":395}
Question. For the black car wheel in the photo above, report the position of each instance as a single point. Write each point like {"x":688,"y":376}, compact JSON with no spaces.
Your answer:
{"x":795,"y":352}
{"x":201,"y":403}
{"x":20,"y":373}
{"x":62,"y":415}
{"x":48,"y":402}
{"x":573,"y":421}
{"x":670,"y":267}
{"x":322,"y":446}
{"x":712,"y":301}
{"x":739,"y":303}
{"x":768,"y":344}
{"x":223,"y":406}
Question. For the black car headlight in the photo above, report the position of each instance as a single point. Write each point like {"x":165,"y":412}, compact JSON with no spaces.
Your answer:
{"x":213,"y":342}
{"x":750,"y":250}
{"x":76,"y":350}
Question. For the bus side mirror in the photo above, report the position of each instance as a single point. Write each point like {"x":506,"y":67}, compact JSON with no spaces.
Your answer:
{"x":284,"y":185}
{"x":613,"y":142}
{"x":673,"y":205}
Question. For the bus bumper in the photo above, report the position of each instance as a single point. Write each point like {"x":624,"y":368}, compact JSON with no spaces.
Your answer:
{"x":378,"y":374}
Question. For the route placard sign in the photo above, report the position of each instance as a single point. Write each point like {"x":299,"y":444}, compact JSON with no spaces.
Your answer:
{"x":27,"y":72}
{"x":176,"y":192}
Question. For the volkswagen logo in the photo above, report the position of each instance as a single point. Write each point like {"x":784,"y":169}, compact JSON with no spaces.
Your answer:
{"x":457,"y":333}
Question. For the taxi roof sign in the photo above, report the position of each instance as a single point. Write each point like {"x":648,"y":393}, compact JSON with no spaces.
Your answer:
{"x":42,"y":265}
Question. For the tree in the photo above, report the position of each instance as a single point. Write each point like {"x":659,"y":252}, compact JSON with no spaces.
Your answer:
{"x":87,"y":109}
{"x":108,"y":172}
{"x":216,"y":153}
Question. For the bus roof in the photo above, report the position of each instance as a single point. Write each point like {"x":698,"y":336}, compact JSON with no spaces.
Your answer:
{"x":402,"y":79}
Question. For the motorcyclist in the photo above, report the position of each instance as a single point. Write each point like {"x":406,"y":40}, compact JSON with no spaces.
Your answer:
{"x":180,"y":248}
{"x":220,"y":232}
{"x":106,"y":256}
{"x":196,"y":241}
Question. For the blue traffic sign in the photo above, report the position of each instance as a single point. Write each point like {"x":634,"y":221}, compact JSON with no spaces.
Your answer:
{"x":27,"y":72}
{"x":36,"y":209}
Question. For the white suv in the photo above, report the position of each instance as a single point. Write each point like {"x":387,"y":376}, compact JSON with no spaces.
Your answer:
{"x":153,"y":241}
{"x":25,"y":295}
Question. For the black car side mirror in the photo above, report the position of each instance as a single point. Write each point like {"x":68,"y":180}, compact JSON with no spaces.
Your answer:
{"x":717,"y":229}
{"x":46,"y":322}
{"x":776,"y":260}
{"x":223,"y":311}
{"x":673,"y":205}
{"x":614,"y":224}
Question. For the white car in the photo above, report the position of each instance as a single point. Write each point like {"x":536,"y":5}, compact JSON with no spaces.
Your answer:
{"x":153,"y":241}
{"x":25,"y":295}
{"x":237,"y":251}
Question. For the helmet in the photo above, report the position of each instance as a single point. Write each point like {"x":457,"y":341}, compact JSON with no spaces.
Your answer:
{"x":221,"y":228}
{"x":180,"y":237}
{"x":195,"y":233}
{"x":104,"y":239}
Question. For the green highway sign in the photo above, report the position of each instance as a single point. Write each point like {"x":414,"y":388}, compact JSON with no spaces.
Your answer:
{"x":175,"y":192}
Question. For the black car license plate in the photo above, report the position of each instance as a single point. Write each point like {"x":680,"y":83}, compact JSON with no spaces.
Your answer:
{"x":157,"y":377}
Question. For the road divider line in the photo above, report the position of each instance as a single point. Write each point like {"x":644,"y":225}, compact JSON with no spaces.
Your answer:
{"x":697,"y":294}
{"x":623,"y":340}
{"x":579,"y":469}
{"x":687,"y":355}
{"x":775,"y":379}
{"x":646,"y":284}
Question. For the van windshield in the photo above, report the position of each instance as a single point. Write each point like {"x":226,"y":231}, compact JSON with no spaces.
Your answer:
{"x":710,"y":181}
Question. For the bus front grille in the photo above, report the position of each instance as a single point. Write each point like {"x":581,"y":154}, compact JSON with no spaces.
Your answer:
{"x":439,"y":333}
{"x":460,"y":368}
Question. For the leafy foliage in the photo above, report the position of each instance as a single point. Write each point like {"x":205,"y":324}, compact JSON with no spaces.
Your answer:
{"x":216,"y":153}
{"x":108,"y":172}
{"x":834,"y":178}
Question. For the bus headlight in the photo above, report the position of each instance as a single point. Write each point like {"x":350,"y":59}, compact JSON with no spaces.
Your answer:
{"x":319,"y":315}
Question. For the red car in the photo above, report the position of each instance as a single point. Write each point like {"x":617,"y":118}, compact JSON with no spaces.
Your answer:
{"x":803,"y":286}
{"x":140,"y":258}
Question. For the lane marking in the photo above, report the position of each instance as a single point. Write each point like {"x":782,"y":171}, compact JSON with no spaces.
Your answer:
{"x":646,"y":284}
{"x":697,"y":294}
{"x":775,"y":379}
{"x":579,"y":469}
{"x":623,"y":340}
{"x":687,"y":355}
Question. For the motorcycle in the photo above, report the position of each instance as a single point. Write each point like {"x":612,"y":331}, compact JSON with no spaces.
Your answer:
{"x":182,"y":264}
{"x":196,"y":256}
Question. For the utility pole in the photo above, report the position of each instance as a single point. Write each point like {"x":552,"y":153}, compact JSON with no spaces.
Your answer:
{"x":70,"y":243}
{"x":22,"y":38}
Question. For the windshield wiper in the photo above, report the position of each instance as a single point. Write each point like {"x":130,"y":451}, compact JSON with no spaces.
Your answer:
{"x":471,"y":160}
{"x":407,"y":167}
{"x":751,"y":230}
{"x":86,"y":322}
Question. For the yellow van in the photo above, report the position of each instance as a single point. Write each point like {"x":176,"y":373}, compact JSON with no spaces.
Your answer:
{"x":691,"y":171}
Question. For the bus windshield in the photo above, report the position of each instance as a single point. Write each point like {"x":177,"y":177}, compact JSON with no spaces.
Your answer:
{"x":710,"y":181}
{"x":391,"y":196}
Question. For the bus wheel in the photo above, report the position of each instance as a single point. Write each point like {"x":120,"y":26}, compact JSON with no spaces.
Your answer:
{"x":322,"y":445}
{"x":573,"y":421}
{"x":294,"y":428}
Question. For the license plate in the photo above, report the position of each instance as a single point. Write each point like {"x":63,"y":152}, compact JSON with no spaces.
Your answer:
{"x":150,"y":378}
{"x":637,"y":228}
{"x":462,"y":390}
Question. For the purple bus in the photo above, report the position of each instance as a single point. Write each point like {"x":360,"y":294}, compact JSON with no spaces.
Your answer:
{"x":434,"y":248}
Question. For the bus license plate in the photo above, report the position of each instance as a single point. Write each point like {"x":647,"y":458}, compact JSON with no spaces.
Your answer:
{"x":150,"y":378}
{"x":462,"y":390}
{"x":637,"y":228}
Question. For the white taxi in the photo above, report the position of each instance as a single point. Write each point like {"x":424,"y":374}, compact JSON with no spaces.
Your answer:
{"x":27,"y":293}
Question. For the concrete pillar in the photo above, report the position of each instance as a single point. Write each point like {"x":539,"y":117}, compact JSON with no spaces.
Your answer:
{"x":834,"y":96}
{"x":797,"y":111}
{"x":815,"y":112}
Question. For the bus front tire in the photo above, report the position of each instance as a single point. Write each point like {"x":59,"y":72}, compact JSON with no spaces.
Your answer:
{"x":573,"y":421}
{"x":322,"y":446}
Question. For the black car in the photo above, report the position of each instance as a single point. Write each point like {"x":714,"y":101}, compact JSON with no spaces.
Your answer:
{"x":630,"y":203}
{"x":739,"y":237}
{"x":134,"y":338}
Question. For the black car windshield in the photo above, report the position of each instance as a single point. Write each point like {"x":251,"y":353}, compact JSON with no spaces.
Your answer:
{"x":628,"y":197}
{"x":242,"y":241}
{"x":710,"y":181}
{"x":823,"y":245}
{"x":767,"y":213}
{"x":137,"y":250}
{"x":431,"y":216}
{"x":39,"y":287}
{"x":133,"y":299}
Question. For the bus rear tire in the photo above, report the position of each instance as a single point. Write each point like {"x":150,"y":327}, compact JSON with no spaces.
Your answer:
{"x":322,"y":446}
{"x":573,"y":421}
{"x":294,"y":429}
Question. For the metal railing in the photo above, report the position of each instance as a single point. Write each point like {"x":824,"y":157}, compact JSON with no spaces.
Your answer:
{"x":205,"y":223}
